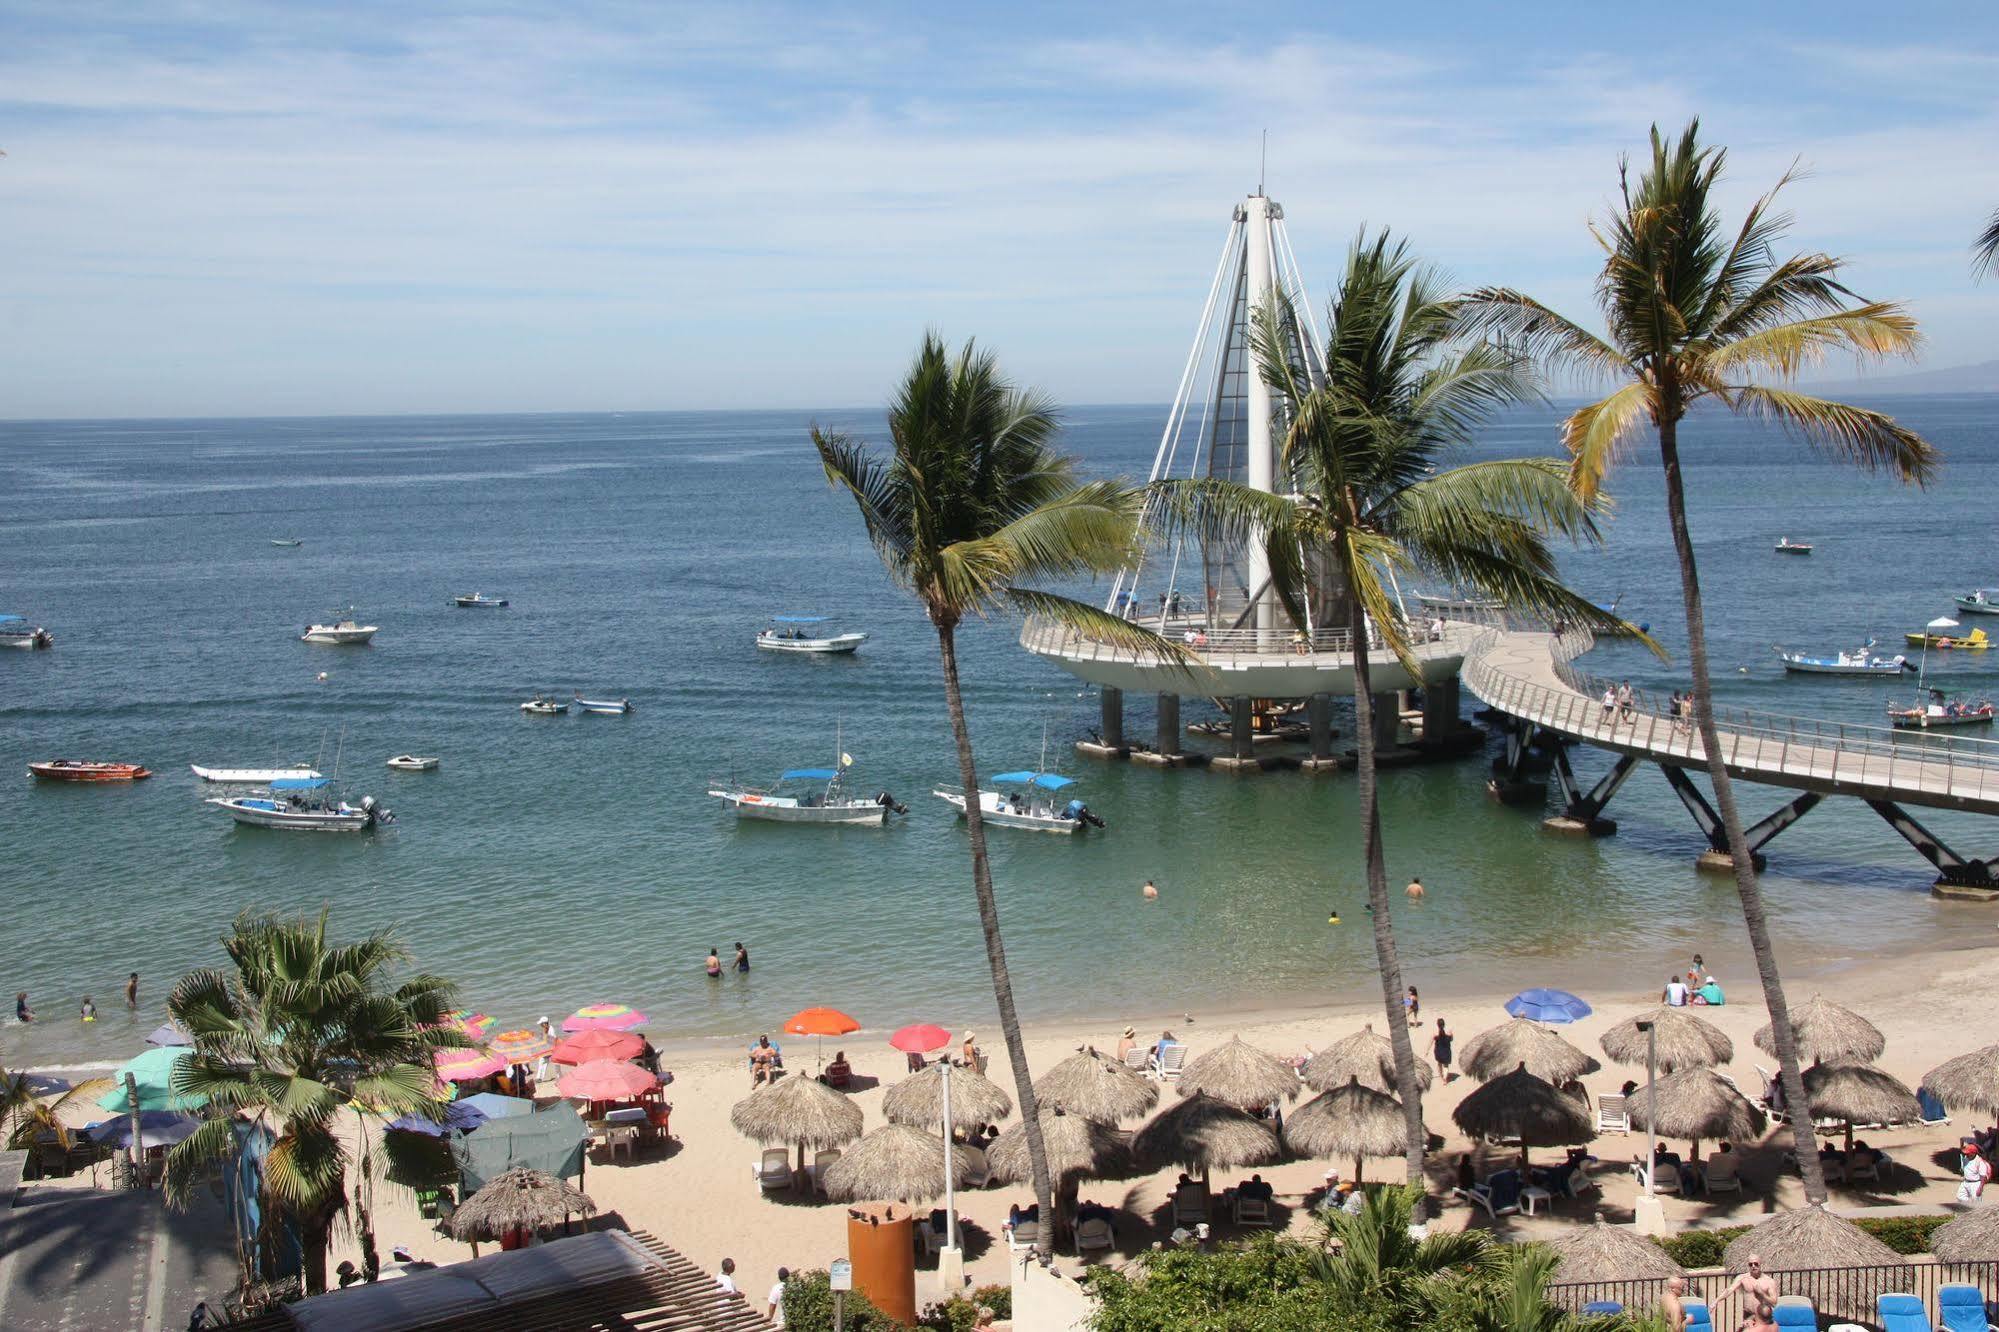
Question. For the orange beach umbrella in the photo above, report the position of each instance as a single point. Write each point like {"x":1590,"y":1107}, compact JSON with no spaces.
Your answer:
{"x":821,"y":1022}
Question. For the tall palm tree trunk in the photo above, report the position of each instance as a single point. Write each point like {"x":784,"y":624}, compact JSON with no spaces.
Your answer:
{"x":982,"y":885}
{"x":1746,"y":887}
{"x":1390,"y":963}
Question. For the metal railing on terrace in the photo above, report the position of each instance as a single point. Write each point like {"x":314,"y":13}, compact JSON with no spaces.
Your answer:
{"x":1044,"y":635}
{"x":1838,"y":1294}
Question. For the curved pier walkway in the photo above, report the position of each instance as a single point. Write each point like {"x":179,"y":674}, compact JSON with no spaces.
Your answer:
{"x":1528,"y":675}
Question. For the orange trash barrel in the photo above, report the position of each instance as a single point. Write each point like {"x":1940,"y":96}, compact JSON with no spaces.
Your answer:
{"x":881,"y":1243}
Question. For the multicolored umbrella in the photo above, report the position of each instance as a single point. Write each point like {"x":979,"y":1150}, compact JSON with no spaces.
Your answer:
{"x":466,"y":1065}
{"x":589,"y":1045}
{"x":604,"y":1017}
{"x":605,"y":1080}
{"x":475,"y":1025}
{"x":520,"y":1047}
{"x":920,"y":1039}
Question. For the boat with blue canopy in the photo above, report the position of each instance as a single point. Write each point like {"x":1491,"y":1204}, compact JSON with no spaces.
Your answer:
{"x":802,"y":633}
{"x":16,"y":632}
{"x":808,"y":795}
{"x":1861,"y":661}
{"x":1033,"y":800}
{"x":303,"y":804}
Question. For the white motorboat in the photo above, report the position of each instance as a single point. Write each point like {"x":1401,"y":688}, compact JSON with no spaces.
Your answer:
{"x":1980,"y":601}
{"x":250,"y":776}
{"x":303,"y":804}
{"x":605,"y":706}
{"x":16,"y":632}
{"x":1941,"y":711}
{"x":1033,"y":801}
{"x":346,"y":632}
{"x":815,"y":797}
{"x":414,"y":763}
{"x":543,"y":706}
{"x":286,"y":542}
{"x":1786,"y":546}
{"x":799,"y":633}
{"x":1860,"y":661}
{"x":480,"y":601}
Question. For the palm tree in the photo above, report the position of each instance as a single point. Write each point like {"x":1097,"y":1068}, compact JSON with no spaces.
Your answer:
{"x":1694,"y":315}
{"x":970,"y":501}
{"x":298,"y":1030}
{"x":1985,"y":254}
{"x":1378,"y":1260}
{"x":27,"y":1119}
{"x":1401,"y":389}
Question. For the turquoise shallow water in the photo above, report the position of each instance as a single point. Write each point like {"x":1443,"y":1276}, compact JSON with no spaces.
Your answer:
{"x":558,"y":861}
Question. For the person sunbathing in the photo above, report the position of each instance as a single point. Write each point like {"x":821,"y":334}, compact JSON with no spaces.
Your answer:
{"x":839,"y":1072}
{"x":763,"y":1062}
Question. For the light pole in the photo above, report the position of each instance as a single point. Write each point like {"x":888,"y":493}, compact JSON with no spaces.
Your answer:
{"x":950,"y":1184}
{"x":1648,"y":1217}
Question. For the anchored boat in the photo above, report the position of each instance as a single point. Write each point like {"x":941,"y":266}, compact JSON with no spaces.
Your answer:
{"x":413,"y":763}
{"x":1786,"y":546}
{"x":480,"y":601}
{"x":798,"y":633}
{"x":1940,"y":711}
{"x":1861,"y":661}
{"x":79,"y":770}
{"x":1033,"y":801}
{"x":543,"y":706}
{"x":345,"y":631}
{"x":303,"y":804}
{"x":605,"y":706}
{"x":1980,"y":601}
{"x":1975,"y":641}
{"x":250,"y":776}
{"x":814,"y":795}
{"x":287,"y":542}
{"x":16,"y":632}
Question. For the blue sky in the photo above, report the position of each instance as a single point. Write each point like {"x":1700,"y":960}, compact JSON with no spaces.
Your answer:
{"x":211,"y":208}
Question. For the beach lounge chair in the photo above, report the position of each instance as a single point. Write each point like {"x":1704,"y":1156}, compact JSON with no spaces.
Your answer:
{"x":773,"y":1170}
{"x":1723,"y":1173}
{"x":1667,"y":1178}
{"x":1901,"y":1312}
{"x":815,"y":1174}
{"x":1795,"y":1314}
{"x":1698,"y":1317}
{"x":1933,"y":1112}
{"x":1191,"y":1204}
{"x":1166,"y":1065}
{"x":1860,"y":1167}
{"x":1251,"y":1211}
{"x":1611,"y":1116}
{"x":1602,"y":1309}
{"x":1498,"y":1194}
{"x":1962,"y":1309}
{"x":1094,"y":1234}
{"x":1138,"y":1059}
{"x":1023,"y":1236}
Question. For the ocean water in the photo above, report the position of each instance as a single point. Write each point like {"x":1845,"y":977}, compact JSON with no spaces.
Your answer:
{"x":558,"y":861}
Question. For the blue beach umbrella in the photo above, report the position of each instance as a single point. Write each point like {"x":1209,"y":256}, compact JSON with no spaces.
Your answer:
{"x":157,"y":1128}
{"x":492,"y":1105}
{"x":1547,"y":1006}
{"x":459,"y":1115}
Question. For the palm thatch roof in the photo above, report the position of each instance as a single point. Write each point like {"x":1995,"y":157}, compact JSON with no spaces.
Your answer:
{"x":897,"y":1163}
{"x":797,"y":1110}
{"x":1076,"y":1147}
{"x":1204,"y":1134}
{"x":1970,"y":1238}
{"x":1518,"y":1042}
{"x":1810,"y":1237}
{"x":1237,"y":1073}
{"x":1355,"y":1120}
{"x":1683,"y":1040}
{"x":918,"y":1100}
{"x":1363,"y":1055}
{"x":1858,"y":1094}
{"x":1520,"y":1105}
{"x":1697,"y":1104}
{"x":517,"y":1199}
{"x":1601,"y":1253}
{"x":1096,"y":1088}
{"x":1826,"y":1033}
{"x":1968,"y":1082}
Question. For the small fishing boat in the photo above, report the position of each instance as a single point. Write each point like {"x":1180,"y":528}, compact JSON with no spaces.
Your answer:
{"x":814,"y":796}
{"x":286,"y":541}
{"x":303,"y":804}
{"x":79,"y":770}
{"x":797,"y":633}
{"x":1456,"y":603}
{"x":480,"y":601}
{"x":543,"y":706}
{"x":16,"y":632}
{"x":1861,"y":661}
{"x":344,"y":631}
{"x":1786,"y":546}
{"x":1940,"y":711}
{"x":414,"y":763}
{"x":250,"y":776}
{"x":605,"y":706}
{"x":1975,"y":641}
{"x":1033,"y":800}
{"x":1980,"y":601}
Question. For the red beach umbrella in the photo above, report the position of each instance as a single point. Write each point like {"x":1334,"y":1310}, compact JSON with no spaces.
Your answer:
{"x":605,"y":1080}
{"x":586,"y":1046}
{"x":920,"y":1039}
{"x":465,"y":1065}
{"x":604,"y":1017}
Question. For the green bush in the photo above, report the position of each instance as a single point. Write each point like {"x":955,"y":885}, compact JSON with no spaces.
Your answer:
{"x":1904,"y":1234}
{"x":960,"y":1313}
{"x":1698,"y":1248}
{"x":808,"y":1307}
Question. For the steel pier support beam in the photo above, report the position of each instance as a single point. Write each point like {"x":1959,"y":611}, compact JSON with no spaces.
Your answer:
{"x":1972,"y":880}
{"x":1508,"y":785}
{"x":1168,"y":739}
{"x":1716,"y":858}
{"x":1580,"y":809}
{"x":1319,"y":712}
{"x":1113,"y":706}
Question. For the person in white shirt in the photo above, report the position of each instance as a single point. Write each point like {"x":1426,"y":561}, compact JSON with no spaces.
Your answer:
{"x":1976,"y":1172}
{"x":726,"y":1283}
{"x":1676,"y":993}
{"x":775,"y":1300}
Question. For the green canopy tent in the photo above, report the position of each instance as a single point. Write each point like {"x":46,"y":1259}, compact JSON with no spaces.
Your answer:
{"x":152,"y":1073}
{"x":550,"y":1141}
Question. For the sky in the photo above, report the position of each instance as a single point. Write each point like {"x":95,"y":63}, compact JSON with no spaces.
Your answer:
{"x":214,"y":209}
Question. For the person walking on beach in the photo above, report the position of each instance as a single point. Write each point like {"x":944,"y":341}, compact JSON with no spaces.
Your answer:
{"x":1412,"y":1004}
{"x":132,"y":990}
{"x":1414,"y":890}
{"x":1977,"y":1172}
{"x":714,"y":963}
{"x":1440,"y":1050}
{"x":742,"y":957}
{"x":23,"y":1013}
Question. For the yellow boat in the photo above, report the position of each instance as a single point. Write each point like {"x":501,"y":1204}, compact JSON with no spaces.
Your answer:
{"x":1975,"y":641}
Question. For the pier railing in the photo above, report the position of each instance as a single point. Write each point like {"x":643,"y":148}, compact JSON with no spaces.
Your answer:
{"x":1050,"y":636}
{"x":1837,"y":753}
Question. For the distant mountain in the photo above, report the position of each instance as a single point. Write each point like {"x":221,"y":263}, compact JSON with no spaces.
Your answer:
{"x":1980,"y":378}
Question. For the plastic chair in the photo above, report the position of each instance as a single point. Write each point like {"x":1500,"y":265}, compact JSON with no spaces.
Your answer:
{"x":773,"y":1170}
{"x":1698,"y":1317}
{"x":1094,"y":1233}
{"x":1901,"y":1312}
{"x":1603,"y":1308}
{"x":1962,"y":1309}
{"x":1795,"y":1314}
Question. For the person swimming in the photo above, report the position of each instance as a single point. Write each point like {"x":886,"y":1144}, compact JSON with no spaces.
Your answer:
{"x":714,"y":963}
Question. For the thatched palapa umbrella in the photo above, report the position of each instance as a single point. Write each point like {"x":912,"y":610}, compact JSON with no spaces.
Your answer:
{"x":1204,"y":1134}
{"x":1682,"y":1040}
{"x":897,"y":1163}
{"x":1355,"y":1120}
{"x":1600,"y":1254}
{"x":1695,"y":1104}
{"x":918,"y":1100}
{"x":1972,"y":1237}
{"x":1825,"y":1033}
{"x":516,"y":1200}
{"x":797,"y":1110}
{"x":1520,"y":1043}
{"x":1096,"y":1088}
{"x":1237,"y":1073}
{"x":1363,"y":1055}
{"x":1077,"y":1147}
{"x":1858,"y":1094}
{"x":1968,"y":1082}
{"x":1520,"y":1105}
{"x":1811,"y":1237}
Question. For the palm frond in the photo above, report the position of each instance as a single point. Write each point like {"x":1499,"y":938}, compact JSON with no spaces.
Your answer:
{"x":850,"y":466}
{"x":1534,"y":490}
{"x":1364,"y":556}
{"x":188,"y":1162}
{"x":1598,"y":435}
{"x":1218,"y":510}
{"x":1093,"y":623}
{"x":1985,"y":252}
{"x":1526,"y":327}
{"x":1800,"y":287}
{"x":1868,"y":439}
{"x":1877,"y":329}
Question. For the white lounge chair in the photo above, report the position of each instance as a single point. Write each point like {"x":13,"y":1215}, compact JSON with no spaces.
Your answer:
{"x":1166,"y":1065}
{"x":1611,"y":1115}
{"x":1094,"y":1234}
{"x":1138,"y":1059}
{"x":1666,"y":1176}
{"x":1023,"y":1236}
{"x":815,"y":1174}
{"x":1722,"y":1174}
{"x":773,"y":1170}
{"x":1859,"y":1169}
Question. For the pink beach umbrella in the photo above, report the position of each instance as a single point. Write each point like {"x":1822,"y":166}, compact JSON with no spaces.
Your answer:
{"x":475,"y":1025}
{"x":920,"y":1039}
{"x":468,"y":1065}
{"x":605,"y":1080}
{"x":587,"y":1046}
{"x":604,"y":1017}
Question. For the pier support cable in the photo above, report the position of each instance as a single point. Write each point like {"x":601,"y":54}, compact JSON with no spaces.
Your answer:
{"x":1581,"y":810}
{"x":1716,"y":858}
{"x":1956,"y":876}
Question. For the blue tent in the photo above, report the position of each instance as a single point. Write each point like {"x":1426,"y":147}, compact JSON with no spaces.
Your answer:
{"x":492,"y":1105}
{"x":460,"y":1115}
{"x":810,"y":774}
{"x":1047,"y":781}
